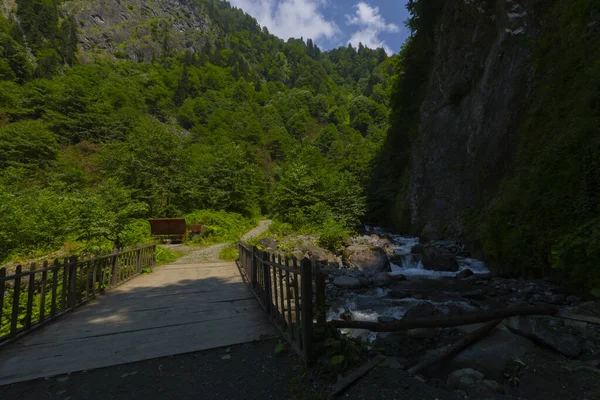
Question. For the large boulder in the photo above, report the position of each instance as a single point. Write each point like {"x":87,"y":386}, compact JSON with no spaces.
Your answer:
{"x":321,"y":256}
{"x":439,"y":259}
{"x":368,"y":258}
{"x":417,"y":249}
{"x":541,"y":331}
{"x":346,"y":282}
{"x":491,"y":355}
{"x":268,"y":243}
{"x":464,"y":274}
{"x":382,"y":279}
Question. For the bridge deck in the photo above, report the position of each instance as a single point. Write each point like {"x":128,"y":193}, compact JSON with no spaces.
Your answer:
{"x":179,"y":308}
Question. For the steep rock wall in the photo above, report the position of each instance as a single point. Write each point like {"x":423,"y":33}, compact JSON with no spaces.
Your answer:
{"x":479,"y":85}
{"x":137,"y":29}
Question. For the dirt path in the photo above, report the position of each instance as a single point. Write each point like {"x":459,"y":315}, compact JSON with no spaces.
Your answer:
{"x":211,"y":253}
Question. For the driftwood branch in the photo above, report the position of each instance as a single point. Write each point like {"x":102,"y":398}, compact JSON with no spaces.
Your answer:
{"x":347,"y":381}
{"x":453,"y":349}
{"x":448,"y":321}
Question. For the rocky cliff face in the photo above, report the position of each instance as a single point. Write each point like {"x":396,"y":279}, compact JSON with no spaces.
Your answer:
{"x":137,"y":29}
{"x":478,"y":89}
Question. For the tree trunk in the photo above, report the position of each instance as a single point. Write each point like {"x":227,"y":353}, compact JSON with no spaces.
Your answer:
{"x":448,"y":321}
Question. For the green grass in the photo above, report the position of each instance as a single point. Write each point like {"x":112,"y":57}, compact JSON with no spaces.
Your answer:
{"x":165,"y":255}
{"x":229,"y":253}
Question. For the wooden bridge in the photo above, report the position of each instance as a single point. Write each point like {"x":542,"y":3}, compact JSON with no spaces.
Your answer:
{"x":178,"y":308}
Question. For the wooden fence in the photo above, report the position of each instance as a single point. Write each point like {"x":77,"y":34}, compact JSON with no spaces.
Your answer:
{"x":292,"y":293}
{"x":32,"y":297}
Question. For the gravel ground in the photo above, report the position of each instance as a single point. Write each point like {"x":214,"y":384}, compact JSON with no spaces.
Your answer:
{"x":211,"y":253}
{"x":388,"y":383}
{"x":246,"y":371}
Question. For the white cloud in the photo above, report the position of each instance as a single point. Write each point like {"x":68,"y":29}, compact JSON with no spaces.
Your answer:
{"x":290,"y":18}
{"x":371,"y":24}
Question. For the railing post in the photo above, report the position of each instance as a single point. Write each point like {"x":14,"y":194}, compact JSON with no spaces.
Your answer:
{"x":138,"y":267}
{"x":72,"y":296}
{"x":254,"y":267}
{"x":307,"y":309}
{"x":114,"y":267}
{"x":320,"y":297}
{"x":30,"y":293}
{"x":2,"y":289}
{"x":15,"y":305}
{"x":266,"y":283}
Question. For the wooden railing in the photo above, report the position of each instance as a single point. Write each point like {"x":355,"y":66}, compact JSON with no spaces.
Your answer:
{"x":30,"y":298}
{"x":292,"y":293}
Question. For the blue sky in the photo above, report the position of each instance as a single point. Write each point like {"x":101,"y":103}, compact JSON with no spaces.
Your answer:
{"x":333,"y":23}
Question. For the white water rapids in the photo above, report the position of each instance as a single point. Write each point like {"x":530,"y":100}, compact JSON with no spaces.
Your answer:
{"x":372,"y":304}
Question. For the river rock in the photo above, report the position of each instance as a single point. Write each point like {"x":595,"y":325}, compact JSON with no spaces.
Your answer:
{"x":541,"y":331}
{"x":382,"y":279}
{"x":422,"y":310}
{"x":438,"y":259}
{"x":485,"y":389}
{"x":536,"y":298}
{"x":557,"y":298}
{"x":476,"y":294}
{"x":346,"y":315}
{"x":268,"y":243}
{"x":368,"y":258}
{"x":464,"y":274}
{"x":346,"y":282}
{"x":398,"y":277}
{"x":573,"y":299}
{"x":318,"y":254}
{"x":528,"y":289}
{"x":400,"y":294}
{"x":417,"y":249}
{"x":463,"y":379}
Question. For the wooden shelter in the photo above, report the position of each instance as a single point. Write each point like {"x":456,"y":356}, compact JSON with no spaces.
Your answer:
{"x":173,"y":229}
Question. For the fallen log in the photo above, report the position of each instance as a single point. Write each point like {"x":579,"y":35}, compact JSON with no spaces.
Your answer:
{"x":445,"y":321}
{"x":580,"y":318}
{"x":453,"y":349}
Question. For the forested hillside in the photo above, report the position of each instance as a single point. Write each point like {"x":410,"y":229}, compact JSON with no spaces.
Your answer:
{"x":93,"y":141}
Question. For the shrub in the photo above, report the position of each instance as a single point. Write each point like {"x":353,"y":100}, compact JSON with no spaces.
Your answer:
{"x":332,"y":234}
{"x":229,"y":253}
{"x":165,"y":255}
{"x":219,"y":226}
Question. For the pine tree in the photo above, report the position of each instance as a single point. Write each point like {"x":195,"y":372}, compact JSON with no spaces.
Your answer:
{"x":182,"y":89}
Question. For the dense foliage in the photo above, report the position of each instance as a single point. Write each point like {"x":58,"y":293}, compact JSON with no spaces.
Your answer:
{"x":548,"y":212}
{"x":250,"y":125}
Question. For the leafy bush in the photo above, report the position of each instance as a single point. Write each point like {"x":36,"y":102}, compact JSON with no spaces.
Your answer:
{"x":219,"y":226}
{"x":546,"y":214}
{"x":280,"y":229}
{"x":310,"y":192}
{"x":229,"y":253}
{"x":33,"y":220}
{"x":332,"y":234}
{"x":165,"y":255}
